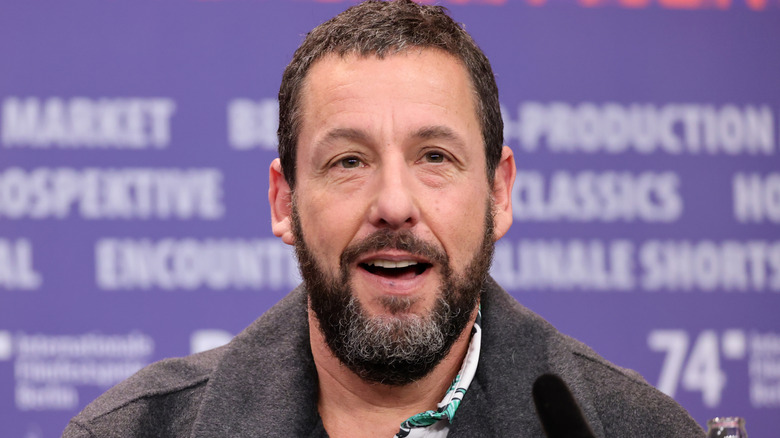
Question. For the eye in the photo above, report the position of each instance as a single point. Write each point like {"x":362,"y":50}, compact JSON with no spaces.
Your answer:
{"x":350,"y":162}
{"x":434,"y":157}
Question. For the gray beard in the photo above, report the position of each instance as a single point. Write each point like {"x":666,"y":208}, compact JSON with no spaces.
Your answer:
{"x":399,"y":348}
{"x":392,"y":340}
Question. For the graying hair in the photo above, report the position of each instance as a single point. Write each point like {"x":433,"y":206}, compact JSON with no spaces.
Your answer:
{"x":392,"y":340}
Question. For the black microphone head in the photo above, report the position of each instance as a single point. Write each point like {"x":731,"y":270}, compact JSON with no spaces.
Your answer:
{"x":559,"y":413}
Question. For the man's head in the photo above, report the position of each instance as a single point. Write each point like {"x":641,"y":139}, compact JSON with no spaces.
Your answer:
{"x":383,"y":28}
{"x":391,"y":211}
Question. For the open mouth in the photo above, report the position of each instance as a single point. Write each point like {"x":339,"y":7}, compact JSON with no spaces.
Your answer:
{"x":391,"y":269}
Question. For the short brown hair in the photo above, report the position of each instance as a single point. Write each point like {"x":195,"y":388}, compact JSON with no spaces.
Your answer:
{"x":381,"y":28}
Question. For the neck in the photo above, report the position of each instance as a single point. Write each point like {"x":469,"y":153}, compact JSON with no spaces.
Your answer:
{"x":347,"y":403}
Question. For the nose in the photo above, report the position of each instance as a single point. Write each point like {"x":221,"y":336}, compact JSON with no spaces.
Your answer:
{"x":395,"y":202}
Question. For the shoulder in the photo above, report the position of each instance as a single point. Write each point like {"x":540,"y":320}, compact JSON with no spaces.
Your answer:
{"x":627,"y":405}
{"x":163,"y":392}
{"x":165,"y":398}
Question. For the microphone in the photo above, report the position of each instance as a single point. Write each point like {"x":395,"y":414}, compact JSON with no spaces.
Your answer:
{"x":559,"y":413}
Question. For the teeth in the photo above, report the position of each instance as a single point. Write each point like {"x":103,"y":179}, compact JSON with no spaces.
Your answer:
{"x":388,"y":264}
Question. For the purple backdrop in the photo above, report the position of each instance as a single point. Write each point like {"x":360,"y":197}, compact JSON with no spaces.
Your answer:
{"x":135,"y":139}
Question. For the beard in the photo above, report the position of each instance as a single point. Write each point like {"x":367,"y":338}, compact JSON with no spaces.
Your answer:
{"x":399,"y":348}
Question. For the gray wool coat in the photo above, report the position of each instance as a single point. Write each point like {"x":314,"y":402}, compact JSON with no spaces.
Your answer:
{"x":264,"y":384}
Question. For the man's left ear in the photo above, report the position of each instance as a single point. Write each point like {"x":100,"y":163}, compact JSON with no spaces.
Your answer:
{"x":502,"y":192}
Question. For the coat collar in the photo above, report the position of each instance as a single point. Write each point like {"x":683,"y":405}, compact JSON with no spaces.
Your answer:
{"x":266,"y":383}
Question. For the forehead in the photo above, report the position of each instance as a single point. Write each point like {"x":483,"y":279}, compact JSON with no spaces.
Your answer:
{"x":414,"y":80}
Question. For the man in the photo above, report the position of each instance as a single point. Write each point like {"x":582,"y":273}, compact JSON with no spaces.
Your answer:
{"x":393,"y":186}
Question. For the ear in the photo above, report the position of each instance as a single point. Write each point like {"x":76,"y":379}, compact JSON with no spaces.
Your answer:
{"x":280,"y":198}
{"x":502,"y":192}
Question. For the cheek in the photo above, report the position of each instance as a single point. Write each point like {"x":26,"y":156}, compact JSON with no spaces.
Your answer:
{"x":461,"y":222}
{"x":328,"y":226}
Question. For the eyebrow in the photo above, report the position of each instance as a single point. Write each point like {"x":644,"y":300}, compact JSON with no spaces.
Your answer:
{"x":355,"y":135}
{"x":438,"y":132}
{"x":425,"y":133}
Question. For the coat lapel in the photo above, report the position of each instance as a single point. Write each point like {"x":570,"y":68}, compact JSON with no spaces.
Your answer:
{"x":518,"y":346}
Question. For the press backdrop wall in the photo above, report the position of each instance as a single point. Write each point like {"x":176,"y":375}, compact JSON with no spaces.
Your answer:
{"x":135,"y":139}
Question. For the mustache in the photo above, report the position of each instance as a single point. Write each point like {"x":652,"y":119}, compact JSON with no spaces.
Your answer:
{"x":402,"y":240}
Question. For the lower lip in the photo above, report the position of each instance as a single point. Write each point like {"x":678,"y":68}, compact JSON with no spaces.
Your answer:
{"x":403,"y":285}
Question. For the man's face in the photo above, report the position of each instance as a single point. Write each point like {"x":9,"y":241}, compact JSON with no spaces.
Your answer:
{"x":392,"y":207}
